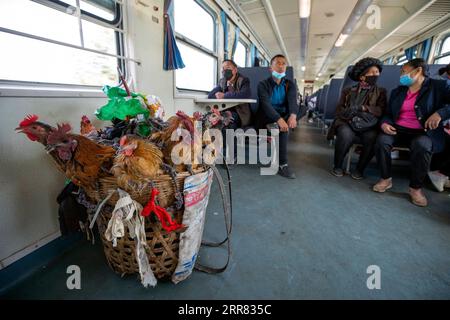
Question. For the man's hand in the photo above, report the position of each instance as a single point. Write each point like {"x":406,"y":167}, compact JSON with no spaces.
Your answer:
{"x":433,"y":121}
{"x":220,"y":95}
{"x":388,"y":129}
{"x":292,"y":121}
{"x":283,"y":125}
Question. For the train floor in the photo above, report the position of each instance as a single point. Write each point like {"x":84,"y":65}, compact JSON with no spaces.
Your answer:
{"x":315,"y":237}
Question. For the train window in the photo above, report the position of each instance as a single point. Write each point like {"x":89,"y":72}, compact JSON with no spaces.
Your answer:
{"x":76,"y":52}
{"x":240,"y":56}
{"x":103,"y":9}
{"x":200,"y":66}
{"x":443,"y":57}
{"x":196,"y":42}
{"x":202,"y":31}
{"x":401,"y":60}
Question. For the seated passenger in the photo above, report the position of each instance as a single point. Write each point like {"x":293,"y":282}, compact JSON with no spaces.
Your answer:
{"x":234,"y":86}
{"x":365,"y":100}
{"x":444,"y":73}
{"x":440,"y":165}
{"x":277,"y":98}
{"x":414,"y":119}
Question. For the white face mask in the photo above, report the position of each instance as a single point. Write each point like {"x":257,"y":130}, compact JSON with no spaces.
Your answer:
{"x":278,"y":75}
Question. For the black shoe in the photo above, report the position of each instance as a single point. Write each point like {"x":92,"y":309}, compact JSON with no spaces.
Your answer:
{"x":286,"y":172}
{"x":357,"y":175}
{"x":337,"y":172}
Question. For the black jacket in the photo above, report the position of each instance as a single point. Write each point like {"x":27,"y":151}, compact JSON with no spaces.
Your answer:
{"x":242,"y":91}
{"x":434,"y":96}
{"x":266,"y":112}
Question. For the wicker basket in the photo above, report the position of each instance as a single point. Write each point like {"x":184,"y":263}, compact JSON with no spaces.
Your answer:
{"x":162,"y":245}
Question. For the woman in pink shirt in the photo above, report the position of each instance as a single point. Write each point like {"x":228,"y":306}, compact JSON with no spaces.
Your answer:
{"x":413,"y":119}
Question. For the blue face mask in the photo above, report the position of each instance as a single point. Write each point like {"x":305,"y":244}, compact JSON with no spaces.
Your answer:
{"x":407,"y":80}
{"x":278,"y":75}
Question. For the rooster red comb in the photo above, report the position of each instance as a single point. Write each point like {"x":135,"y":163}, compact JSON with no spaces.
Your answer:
{"x":85,"y":119}
{"x":29,"y":119}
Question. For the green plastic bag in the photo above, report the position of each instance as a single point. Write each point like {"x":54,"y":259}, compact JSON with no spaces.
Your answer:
{"x":121,"y":106}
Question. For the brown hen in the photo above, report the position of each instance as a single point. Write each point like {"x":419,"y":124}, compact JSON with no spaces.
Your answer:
{"x":137,"y":162}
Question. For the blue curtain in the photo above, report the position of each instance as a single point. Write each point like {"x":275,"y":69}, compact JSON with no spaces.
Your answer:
{"x":409,"y":53}
{"x":237,"y":32}
{"x":426,"y":48}
{"x":223,"y":18}
{"x":172,"y":56}
{"x":252,"y":54}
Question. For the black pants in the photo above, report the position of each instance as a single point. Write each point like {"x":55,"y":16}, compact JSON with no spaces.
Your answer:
{"x":235,"y":124}
{"x":282,"y":142}
{"x":441,"y":161}
{"x":346,"y":137}
{"x":421,"y":148}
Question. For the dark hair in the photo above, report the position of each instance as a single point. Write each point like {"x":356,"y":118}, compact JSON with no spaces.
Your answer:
{"x":416,"y":63}
{"x":362,"y":66}
{"x":277,"y":56}
{"x":230,"y":61}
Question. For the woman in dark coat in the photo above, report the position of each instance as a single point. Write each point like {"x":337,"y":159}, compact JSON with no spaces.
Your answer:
{"x":365,"y":98}
{"x":414,"y":118}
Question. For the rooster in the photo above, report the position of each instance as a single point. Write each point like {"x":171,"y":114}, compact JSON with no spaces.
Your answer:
{"x":85,"y":161}
{"x":34,"y":129}
{"x":87,"y":128}
{"x":190,"y":136}
{"x":138,"y":160}
{"x":39,"y":131}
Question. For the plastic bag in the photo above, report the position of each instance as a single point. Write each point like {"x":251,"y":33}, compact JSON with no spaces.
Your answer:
{"x":196,"y":195}
{"x":121,"y":106}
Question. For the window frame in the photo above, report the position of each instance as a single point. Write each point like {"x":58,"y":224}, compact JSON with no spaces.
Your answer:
{"x":19,"y":88}
{"x":184,"y":92}
{"x":440,"y":46}
{"x":62,"y":6}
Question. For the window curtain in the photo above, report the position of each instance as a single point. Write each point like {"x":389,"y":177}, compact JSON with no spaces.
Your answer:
{"x":223,"y":18}
{"x":237,"y":33}
{"x":172,"y":56}
{"x":252,"y":54}
{"x":409,"y":53}
{"x":426,"y":48}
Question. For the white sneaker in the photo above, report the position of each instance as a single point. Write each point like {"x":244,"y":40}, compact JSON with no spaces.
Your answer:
{"x":447,"y":184}
{"x":438,"y":180}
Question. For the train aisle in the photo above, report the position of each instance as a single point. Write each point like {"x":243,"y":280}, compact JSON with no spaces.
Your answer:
{"x":313,"y":237}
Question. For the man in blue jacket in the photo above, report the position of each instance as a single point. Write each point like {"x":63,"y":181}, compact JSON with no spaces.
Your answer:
{"x":277,"y":97}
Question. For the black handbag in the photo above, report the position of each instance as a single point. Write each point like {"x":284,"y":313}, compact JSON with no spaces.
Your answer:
{"x":360,"y":121}
{"x":363,"y":121}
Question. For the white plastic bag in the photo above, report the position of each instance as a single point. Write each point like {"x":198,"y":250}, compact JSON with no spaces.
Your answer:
{"x":196,"y":196}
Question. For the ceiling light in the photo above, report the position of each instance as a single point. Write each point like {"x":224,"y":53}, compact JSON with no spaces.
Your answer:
{"x":303,"y":68}
{"x":305,"y":8}
{"x":319,"y":74}
{"x":340,"y":41}
{"x":317,"y":79}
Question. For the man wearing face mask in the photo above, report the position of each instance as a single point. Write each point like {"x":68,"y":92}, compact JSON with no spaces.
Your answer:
{"x":234,"y":86}
{"x":277,"y":98}
{"x":365,"y":100}
{"x":413,"y":119}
